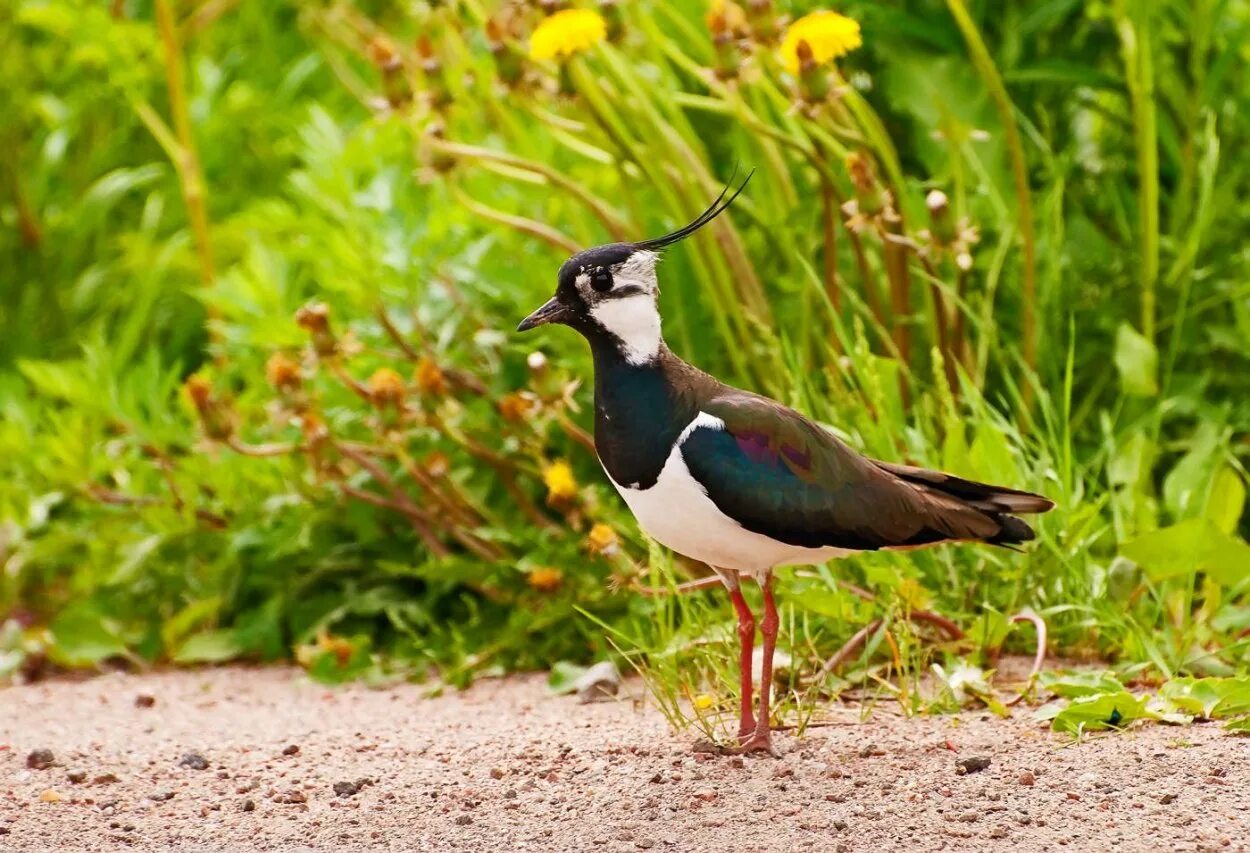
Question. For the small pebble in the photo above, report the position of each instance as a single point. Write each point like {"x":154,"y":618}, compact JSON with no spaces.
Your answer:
{"x":293,"y":749}
{"x":1167,"y":799}
{"x":463,"y":820}
{"x":1027,"y":778}
{"x":161,"y":796}
{"x":972,"y":764}
{"x":40,"y":759}
{"x":193,"y":760}
{"x":143,"y":700}
{"x":249,"y":805}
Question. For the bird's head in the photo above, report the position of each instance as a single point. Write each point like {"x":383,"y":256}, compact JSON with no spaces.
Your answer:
{"x":611,"y":291}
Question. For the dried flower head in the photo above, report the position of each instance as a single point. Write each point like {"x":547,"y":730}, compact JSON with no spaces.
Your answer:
{"x":566,"y":33}
{"x":386,"y":387}
{"x":283,"y":372}
{"x":430,"y":377}
{"x":827,"y":34}
{"x":314,"y":318}
{"x":515,"y":406}
{"x":382,"y":53}
{"x":545,"y":578}
{"x":560,"y":483}
{"x":214,"y":417}
{"x":200,"y":390}
{"x":437,"y":464}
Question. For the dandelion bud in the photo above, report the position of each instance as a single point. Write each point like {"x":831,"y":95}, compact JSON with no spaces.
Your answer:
{"x":612,"y":17}
{"x":509,"y":61}
{"x":314,"y":318}
{"x":386,"y":387}
{"x":814,"y":80}
{"x":282,"y":372}
{"x":537,"y":361}
{"x":432,"y":72}
{"x":963,"y":260}
{"x":868,"y":195}
{"x":763,"y":21}
{"x":728,"y":55}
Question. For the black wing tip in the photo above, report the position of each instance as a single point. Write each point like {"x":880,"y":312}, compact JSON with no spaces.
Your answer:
{"x":1012,"y":531}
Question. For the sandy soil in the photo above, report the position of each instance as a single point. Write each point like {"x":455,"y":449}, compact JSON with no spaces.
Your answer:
{"x":505,"y":767}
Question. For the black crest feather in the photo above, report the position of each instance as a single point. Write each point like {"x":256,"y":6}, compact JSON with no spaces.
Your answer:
{"x":715,"y":209}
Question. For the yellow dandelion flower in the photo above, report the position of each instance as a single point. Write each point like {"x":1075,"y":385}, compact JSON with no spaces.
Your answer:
{"x":566,"y":33}
{"x":561,"y":486}
{"x":703,"y":701}
{"x":602,"y":539}
{"x":828,"y":35}
{"x":546,"y":579}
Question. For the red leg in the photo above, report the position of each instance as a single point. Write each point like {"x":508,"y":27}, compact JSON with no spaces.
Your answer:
{"x":761,"y":739}
{"x":746,"y":637}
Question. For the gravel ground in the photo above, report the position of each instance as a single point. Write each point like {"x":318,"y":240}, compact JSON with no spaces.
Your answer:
{"x":261,"y":759}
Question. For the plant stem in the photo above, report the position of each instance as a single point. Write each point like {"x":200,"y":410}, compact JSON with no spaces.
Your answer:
{"x":1133,"y":26}
{"x":187,"y":161}
{"x":1019,"y":171}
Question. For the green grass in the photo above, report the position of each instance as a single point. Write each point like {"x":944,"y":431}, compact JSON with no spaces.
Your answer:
{"x":184,"y":178}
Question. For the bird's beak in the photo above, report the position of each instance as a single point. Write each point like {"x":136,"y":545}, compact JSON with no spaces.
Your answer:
{"x":552,"y":311}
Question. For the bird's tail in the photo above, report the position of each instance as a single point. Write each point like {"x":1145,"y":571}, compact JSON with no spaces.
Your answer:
{"x":997,"y":502}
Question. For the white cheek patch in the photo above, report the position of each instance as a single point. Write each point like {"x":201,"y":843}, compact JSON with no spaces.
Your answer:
{"x":635,"y":320}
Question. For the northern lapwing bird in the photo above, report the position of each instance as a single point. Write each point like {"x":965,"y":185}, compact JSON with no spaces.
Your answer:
{"x":736,"y":480}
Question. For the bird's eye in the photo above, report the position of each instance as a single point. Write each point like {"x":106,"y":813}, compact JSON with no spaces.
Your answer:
{"x":601,"y":280}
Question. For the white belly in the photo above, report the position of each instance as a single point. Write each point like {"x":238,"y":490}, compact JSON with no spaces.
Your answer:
{"x":678,"y":514}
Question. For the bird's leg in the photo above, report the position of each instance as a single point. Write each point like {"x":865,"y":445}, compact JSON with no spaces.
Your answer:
{"x":761,"y":739}
{"x":746,"y":638}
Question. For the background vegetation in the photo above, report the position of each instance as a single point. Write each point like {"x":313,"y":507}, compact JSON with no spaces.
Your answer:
{"x":259,"y":394}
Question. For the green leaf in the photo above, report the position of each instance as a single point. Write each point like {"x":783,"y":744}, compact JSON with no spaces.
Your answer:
{"x":1241,"y":725}
{"x":1226,"y":499}
{"x":1211,"y":698}
{"x":1189,"y":481}
{"x":213,"y":646}
{"x":1072,"y":685}
{"x":83,"y":636}
{"x":1137,"y":362}
{"x":1101,"y":711}
{"x":1191,"y":546}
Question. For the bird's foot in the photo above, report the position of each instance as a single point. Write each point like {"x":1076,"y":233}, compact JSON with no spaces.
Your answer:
{"x":755,"y":742}
{"x":746,"y":729}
